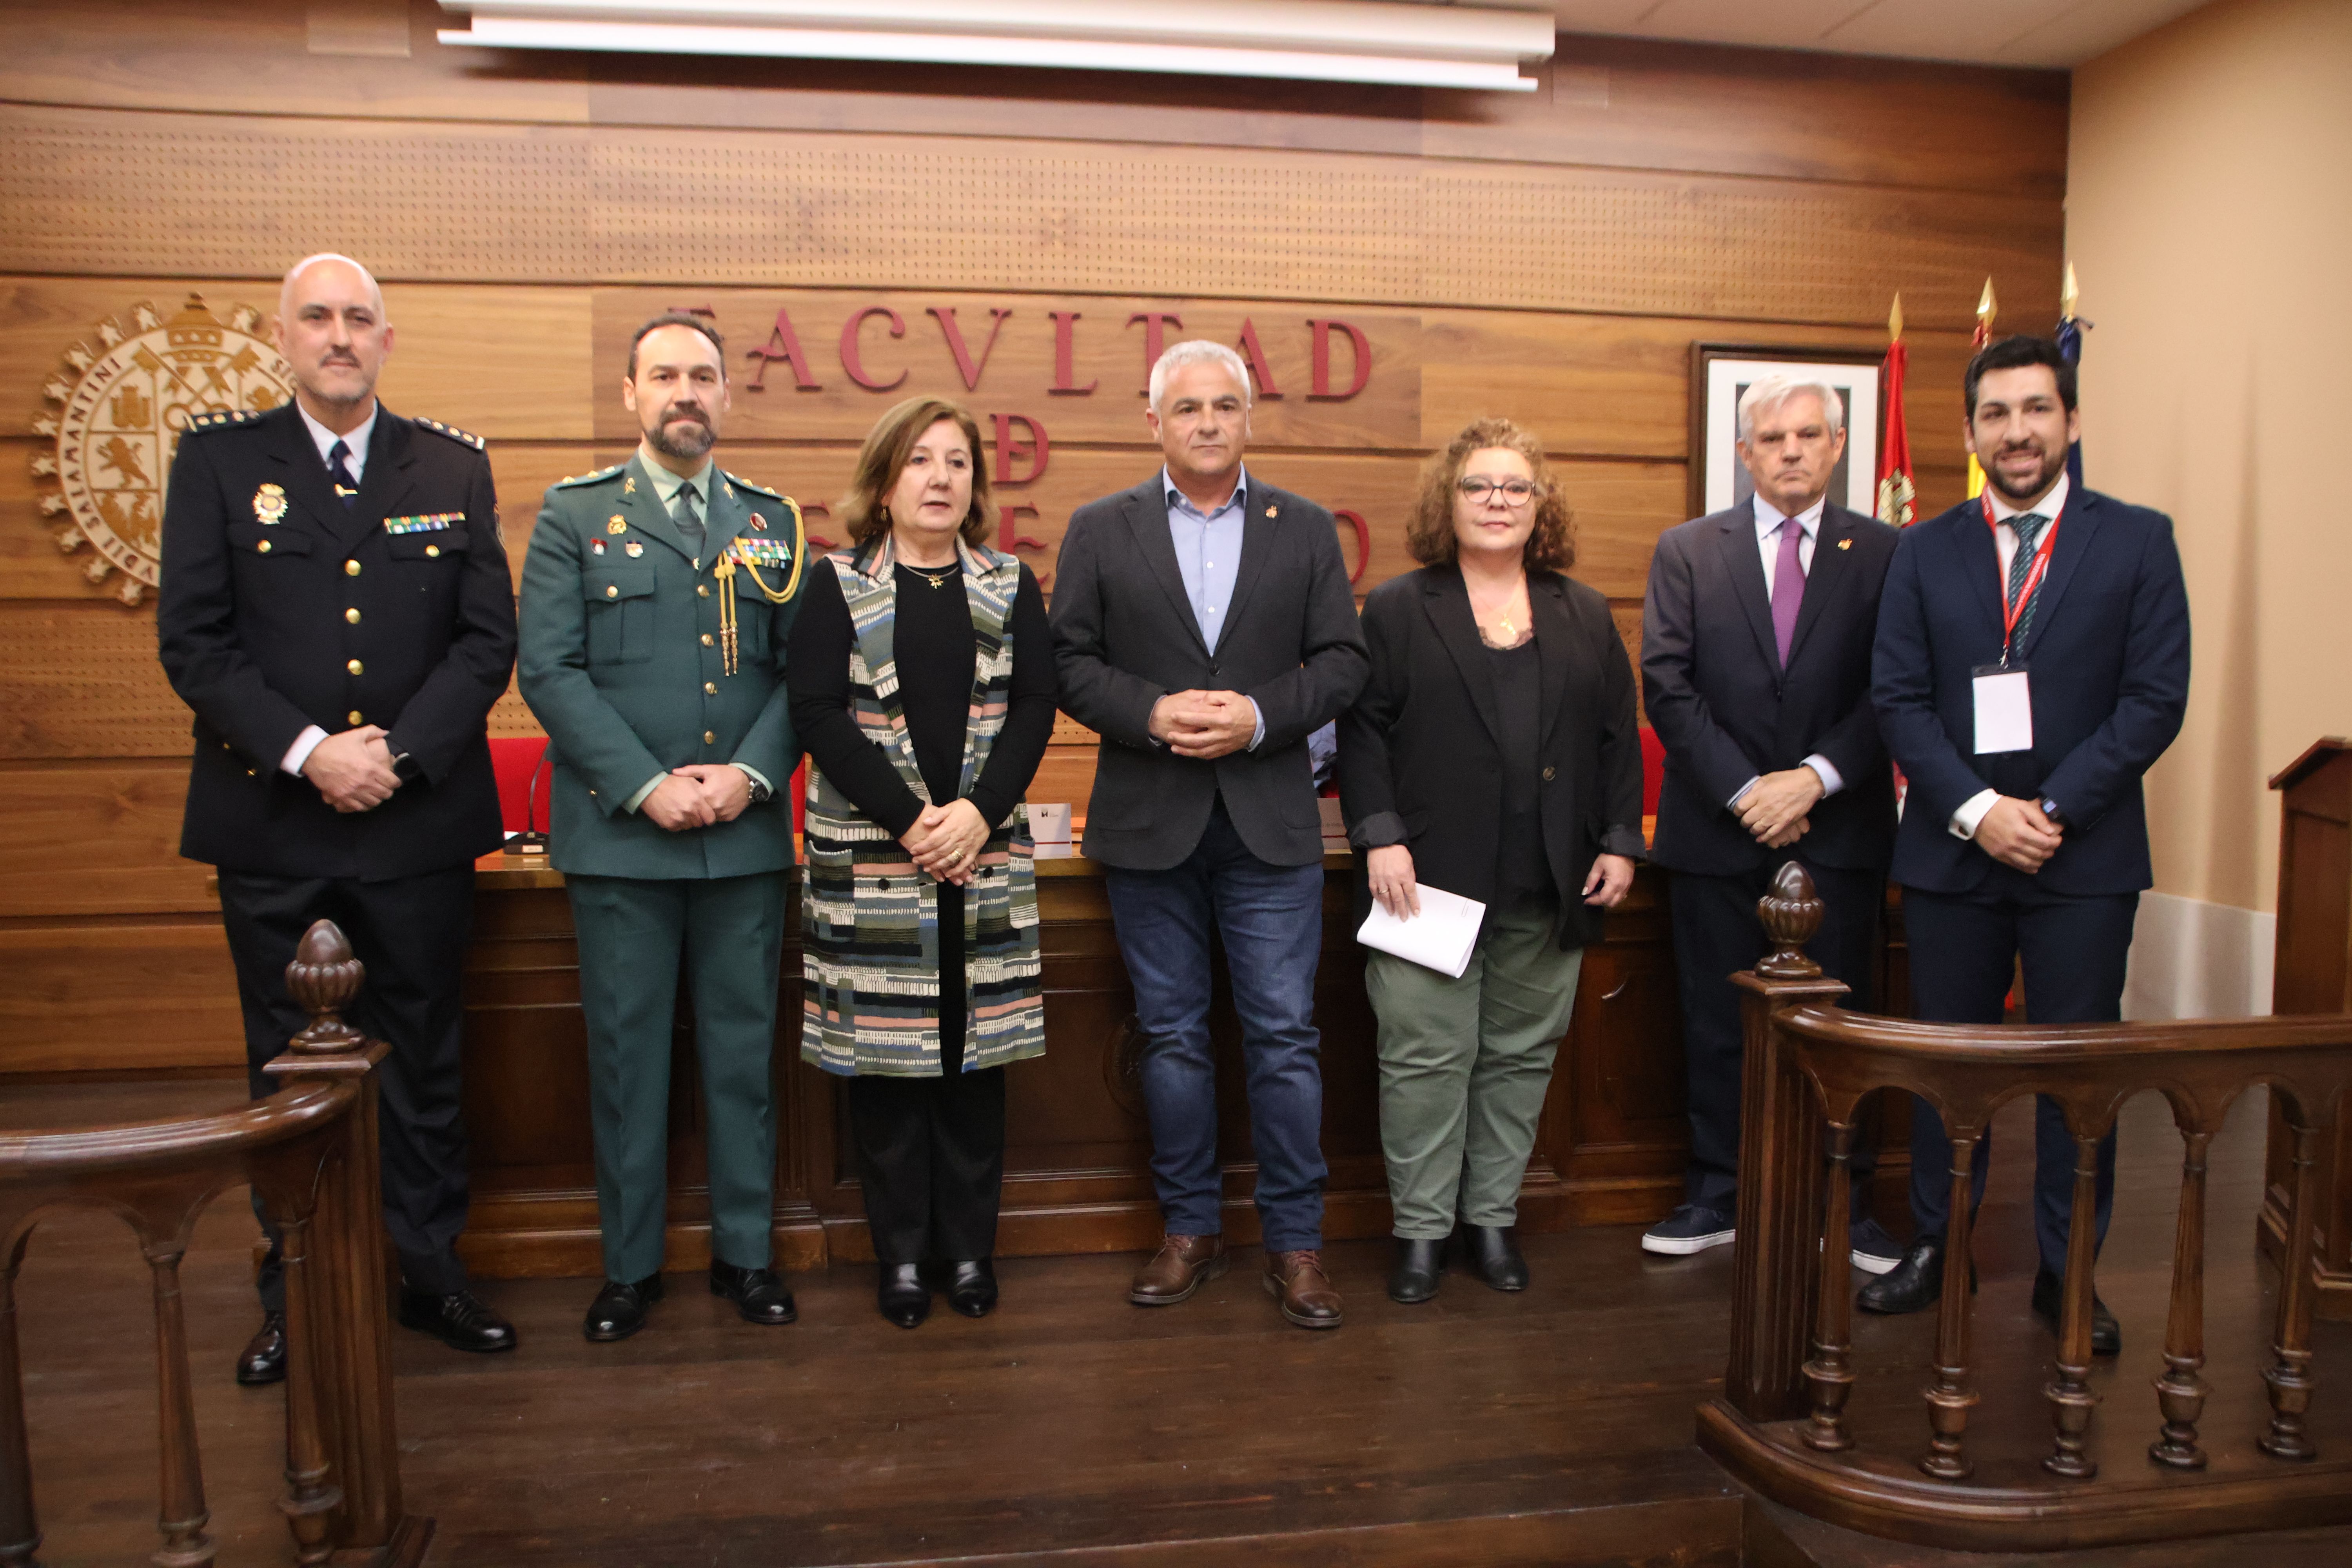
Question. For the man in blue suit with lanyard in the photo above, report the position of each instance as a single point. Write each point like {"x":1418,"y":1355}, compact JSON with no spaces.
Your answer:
{"x":2031,"y":663}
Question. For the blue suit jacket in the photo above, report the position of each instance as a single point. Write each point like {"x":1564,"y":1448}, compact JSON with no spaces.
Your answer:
{"x":2109,"y":654}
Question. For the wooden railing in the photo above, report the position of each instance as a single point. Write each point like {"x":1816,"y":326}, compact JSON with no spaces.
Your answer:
{"x":1783,"y":1424}
{"x":309,"y":1151}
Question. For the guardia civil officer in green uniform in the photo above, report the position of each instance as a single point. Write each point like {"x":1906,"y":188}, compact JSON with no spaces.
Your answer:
{"x":655,"y":601}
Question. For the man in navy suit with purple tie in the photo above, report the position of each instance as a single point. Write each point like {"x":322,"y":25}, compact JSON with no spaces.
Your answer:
{"x":2032,"y":664}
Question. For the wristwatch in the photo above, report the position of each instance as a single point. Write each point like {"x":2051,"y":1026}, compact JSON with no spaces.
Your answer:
{"x":407,"y":768}
{"x":760,"y":793}
{"x":2050,"y":809}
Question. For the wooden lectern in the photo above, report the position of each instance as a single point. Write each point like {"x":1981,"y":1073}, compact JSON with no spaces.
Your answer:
{"x":2313,"y":973}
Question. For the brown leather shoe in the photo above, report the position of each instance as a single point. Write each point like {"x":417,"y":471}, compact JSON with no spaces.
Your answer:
{"x":1181,"y":1266}
{"x":1296,"y":1280}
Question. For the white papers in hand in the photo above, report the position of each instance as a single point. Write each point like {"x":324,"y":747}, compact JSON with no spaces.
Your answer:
{"x":1439,"y":938}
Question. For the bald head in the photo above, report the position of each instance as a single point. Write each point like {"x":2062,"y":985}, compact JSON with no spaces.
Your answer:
{"x":332,"y":331}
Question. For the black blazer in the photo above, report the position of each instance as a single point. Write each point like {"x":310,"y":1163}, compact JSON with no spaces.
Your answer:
{"x":1420,"y":763}
{"x":1125,"y":636}
{"x":1725,"y":709}
{"x":2108,"y":660}
{"x":257,"y":634}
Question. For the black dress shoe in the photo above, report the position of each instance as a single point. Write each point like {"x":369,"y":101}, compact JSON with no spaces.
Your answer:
{"x":1913,"y":1285}
{"x":2107,"y":1334}
{"x":1494,"y":1255}
{"x":263,"y":1359}
{"x":971,"y":1287}
{"x":1418,"y":1265}
{"x":904,"y":1299}
{"x":619,"y":1309}
{"x":757,"y":1293}
{"x":458,"y":1320}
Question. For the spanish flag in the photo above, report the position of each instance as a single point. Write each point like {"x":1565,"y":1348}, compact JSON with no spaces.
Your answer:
{"x":2069,"y":345}
{"x":1898,"y":490}
{"x":1983,"y":335}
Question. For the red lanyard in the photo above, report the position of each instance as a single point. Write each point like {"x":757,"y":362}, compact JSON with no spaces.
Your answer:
{"x":2040,"y":567}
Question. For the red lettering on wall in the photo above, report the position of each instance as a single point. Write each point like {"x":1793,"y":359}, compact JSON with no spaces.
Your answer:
{"x":1155,"y":325}
{"x":1323,"y":360}
{"x":1064,"y":342}
{"x":1010,"y":451}
{"x":954,"y":335}
{"x":1008,"y":535}
{"x":783,"y":344}
{"x":816,"y":508}
{"x":1254,"y":355}
{"x":1363,"y":541}
{"x":853,"y":361}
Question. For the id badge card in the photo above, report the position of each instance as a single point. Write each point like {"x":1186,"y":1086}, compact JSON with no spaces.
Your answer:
{"x":2004,"y":708}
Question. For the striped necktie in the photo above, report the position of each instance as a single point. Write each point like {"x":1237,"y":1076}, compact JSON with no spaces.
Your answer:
{"x":2028,"y":526}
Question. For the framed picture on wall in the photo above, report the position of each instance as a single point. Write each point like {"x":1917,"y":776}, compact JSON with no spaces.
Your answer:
{"x":1722,"y":373}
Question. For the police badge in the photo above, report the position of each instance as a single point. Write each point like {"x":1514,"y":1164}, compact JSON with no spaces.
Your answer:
{"x":269,"y":504}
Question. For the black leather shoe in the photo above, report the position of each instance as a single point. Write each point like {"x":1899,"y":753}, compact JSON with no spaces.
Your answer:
{"x":458,"y":1320}
{"x":1418,"y":1265}
{"x":1913,"y":1285}
{"x":904,"y":1299}
{"x":263,"y":1359}
{"x":1493,"y":1254}
{"x":619,"y":1309}
{"x":2107,"y":1334}
{"x":971,"y":1287}
{"x":757,"y":1293}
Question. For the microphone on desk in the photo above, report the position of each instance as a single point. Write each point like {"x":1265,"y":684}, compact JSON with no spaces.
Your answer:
{"x":530,"y":840}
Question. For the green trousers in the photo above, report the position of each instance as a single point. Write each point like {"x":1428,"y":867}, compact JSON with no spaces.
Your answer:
{"x":1464,"y":1065}
{"x":729,"y":932}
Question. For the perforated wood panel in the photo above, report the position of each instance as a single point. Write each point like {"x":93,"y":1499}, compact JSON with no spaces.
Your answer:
{"x":93,"y":191}
{"x":83,"y":682}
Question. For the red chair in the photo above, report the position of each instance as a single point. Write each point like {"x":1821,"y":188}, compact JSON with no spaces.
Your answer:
{"x":524,"y":784}
{"x":1653,"y":770}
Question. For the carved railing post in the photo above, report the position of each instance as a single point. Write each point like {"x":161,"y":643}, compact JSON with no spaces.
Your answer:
{"x":2289,"y":1375}
{"x":1777,"y":1266}
{"x":2180,"y":1391}
{"x":183,"y":1514}
{"x":1950,"y":1397}
{"x":1829,"y":1374}
{"x":20,"y":1531}
{"x":2069,"y":1392}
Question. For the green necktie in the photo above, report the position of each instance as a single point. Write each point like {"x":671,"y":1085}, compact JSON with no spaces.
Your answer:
{"x":2028,"y":526}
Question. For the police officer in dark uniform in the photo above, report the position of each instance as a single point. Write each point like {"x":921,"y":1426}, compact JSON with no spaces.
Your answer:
{"x":336,"y":608}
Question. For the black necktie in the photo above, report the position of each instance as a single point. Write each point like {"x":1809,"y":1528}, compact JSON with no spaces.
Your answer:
{"x":2028,"y":527}
{"x":339,"y":468}
{"x":689,"y":521}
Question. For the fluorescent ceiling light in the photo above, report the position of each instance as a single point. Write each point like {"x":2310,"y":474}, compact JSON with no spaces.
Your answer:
{"x":1317,"y":40}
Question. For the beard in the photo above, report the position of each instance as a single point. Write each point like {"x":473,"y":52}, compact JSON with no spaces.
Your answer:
{"x":2045,"y":476}
{"x":686,"y":437}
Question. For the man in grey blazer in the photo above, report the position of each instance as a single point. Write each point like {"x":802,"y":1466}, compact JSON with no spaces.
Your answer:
{"x":1204,"y":627}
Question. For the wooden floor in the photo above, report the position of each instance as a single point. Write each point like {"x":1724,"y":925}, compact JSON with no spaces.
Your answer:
{"x":1551,"y":1427}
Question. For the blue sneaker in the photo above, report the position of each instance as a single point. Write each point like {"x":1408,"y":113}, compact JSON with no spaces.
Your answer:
{"x":1688,"y":1229}
{"x":1875,"y":1251}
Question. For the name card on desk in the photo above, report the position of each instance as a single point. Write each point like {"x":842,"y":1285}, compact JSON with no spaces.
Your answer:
{"x":1439,"y":938}
{"x":1049,"y":831}
{"x":1334,"y":826}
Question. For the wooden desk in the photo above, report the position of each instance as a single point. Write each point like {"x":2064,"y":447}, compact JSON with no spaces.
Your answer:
{"x":1077,"y":1153}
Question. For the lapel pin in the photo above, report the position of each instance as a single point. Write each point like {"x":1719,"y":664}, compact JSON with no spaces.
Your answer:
{"x":1270,"y":512}
{"x":634,"y":548}
{"x":595,"y":547}
{"x":629,"y":485}
{"x":617,"y":525}
{"x":1845,"y":544}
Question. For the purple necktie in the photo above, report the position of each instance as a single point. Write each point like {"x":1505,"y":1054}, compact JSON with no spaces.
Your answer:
{"x":1788,"y":587}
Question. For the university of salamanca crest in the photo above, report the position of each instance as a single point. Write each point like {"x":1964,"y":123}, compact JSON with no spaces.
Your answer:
{"x":121,"y":405}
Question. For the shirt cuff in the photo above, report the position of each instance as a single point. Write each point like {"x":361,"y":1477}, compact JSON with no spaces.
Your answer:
{"x":638,"y":799}
{"x":1258,"y":733}
{"x":1972,"y":811}
{"x":1832,"y":780}
{"x":754,"y":774}
{"x":299,"y":751}
{"x":1741,"y":793}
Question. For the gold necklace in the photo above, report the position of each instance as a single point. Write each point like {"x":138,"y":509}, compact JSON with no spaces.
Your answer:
{"x":936,"y":579}
{"x":1502,"y":619}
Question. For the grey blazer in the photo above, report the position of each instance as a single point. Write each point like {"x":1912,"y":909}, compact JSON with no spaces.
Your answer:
{"x":1125,"y":636}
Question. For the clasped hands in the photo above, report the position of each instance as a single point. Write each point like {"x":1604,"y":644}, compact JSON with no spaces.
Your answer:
{"x":2018,"y":833}
{"x":946,"y":840}
{"x":1203,"y":724}
{"x":697,"y":795}
{"x":1775,"y":806}
{"x":352,"y":770}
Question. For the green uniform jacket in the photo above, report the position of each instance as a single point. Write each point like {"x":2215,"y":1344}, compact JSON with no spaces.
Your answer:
{"x":622,"y":663}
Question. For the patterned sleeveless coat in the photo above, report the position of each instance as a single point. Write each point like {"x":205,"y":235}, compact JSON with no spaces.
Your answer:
{"x":870,"y":915}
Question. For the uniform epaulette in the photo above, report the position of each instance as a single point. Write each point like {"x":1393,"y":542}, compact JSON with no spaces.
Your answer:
{"x":225,"y":419}
{"x":740,"y":482}
{"x":570,"y":480}
{"x":466,"y":437}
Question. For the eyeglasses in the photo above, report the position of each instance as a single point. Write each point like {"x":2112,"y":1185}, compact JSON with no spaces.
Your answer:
{"x":1515,"y":492}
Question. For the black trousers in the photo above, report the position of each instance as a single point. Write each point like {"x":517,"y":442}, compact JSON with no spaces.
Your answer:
{"x":1716,"y":934}
{"x":1963,"y":949}
{"x":410,"y":933}
{"x":931,"y":1150}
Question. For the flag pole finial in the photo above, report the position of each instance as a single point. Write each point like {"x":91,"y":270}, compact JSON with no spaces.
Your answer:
{"x":1895,"y":318}
{"x":2069,"y":294}
{"x":1986,"y":305}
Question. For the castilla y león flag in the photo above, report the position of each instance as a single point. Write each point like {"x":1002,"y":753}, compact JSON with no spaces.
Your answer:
{"x":1898,"y":492}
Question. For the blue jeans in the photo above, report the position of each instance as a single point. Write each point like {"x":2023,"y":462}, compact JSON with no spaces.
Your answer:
{"x":1271,"y":920}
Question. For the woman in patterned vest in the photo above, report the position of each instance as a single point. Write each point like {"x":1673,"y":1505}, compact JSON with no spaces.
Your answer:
{"x":922,"y":680}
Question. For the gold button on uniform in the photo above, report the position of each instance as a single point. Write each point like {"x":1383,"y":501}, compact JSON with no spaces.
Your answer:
{"x":263,"y":547}
{"x":705,"y":639}
{"x":709,"y":737}
{"x":353,"y":615}
{"x":355,"y":668}
{"x":433,"y":552}
{"x":353,"y":715}
{"x":710,"y":688}
{"x":612,"y":591}
{"x":702,"y":590}
{"x":351,"y":568}
{"x":1547,"y":774}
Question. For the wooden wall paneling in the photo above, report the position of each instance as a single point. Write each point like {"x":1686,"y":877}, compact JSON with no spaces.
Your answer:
{"x":96,"y":839}
{"x":148,"y":995}
{"x":84,"y":682}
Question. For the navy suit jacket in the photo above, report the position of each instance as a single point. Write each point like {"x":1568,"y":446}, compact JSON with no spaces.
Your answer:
{"x":2108,"y":658}
{"x":1725,"y":709}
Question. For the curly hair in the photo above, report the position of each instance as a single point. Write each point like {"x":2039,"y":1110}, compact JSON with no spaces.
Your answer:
{"x":1429,"y":532}
{"x":865,"y":511}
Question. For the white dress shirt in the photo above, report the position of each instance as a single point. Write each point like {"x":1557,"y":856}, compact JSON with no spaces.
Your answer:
{"x":1768,"y":519}
{"x":1971,"y":812}
{"x":1199,"y":538}
{"x":324,"y":439}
